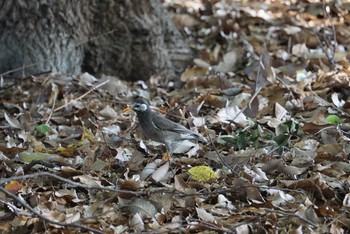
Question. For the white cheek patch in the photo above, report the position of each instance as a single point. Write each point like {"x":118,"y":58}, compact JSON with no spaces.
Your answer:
{"x":143,"y":107}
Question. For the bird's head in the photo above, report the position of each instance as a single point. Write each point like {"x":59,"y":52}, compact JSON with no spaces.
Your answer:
{"x":140,"y":105}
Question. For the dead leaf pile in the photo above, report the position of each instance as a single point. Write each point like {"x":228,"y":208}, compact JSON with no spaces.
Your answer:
{"x":268,"y":88}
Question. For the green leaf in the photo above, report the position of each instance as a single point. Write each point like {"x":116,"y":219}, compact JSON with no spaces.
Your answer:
{"x":283,"y":128}
{"x":242,"y":141}
{"x":255,"y":134}
{"x":227,"y":139}
{"x":282,"y":140}
{"x":43,"y":129}
{"x":333,"y":119}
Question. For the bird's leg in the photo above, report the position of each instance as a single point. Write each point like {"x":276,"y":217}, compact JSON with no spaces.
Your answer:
{"x":167,"y":155}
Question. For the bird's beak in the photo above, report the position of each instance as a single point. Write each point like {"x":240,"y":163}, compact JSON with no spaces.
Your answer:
{"x":127,"y":109}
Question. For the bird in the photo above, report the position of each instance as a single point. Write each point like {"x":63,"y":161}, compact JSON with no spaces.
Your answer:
{"x":161,"y":129}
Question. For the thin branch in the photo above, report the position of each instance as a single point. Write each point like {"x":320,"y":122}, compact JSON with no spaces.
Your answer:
{"x":324,"y":47}
{"x":14,"y":208}
{"x":37,"y":214}
{"x":55,"y":89}
{"x":327,"y":41}
{"x":328,"y":103}
{"x":73,"y":183}
{"x":209,"y":225}
{"x":335,"y":45}
{"x":292,"y":215}
{"x":82,"y":96}
{"x":220,"y":157}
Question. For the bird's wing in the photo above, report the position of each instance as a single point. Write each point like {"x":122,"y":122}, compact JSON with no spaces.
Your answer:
{"x":165,"y":124}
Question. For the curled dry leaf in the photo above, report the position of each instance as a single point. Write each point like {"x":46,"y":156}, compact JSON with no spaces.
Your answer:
{"x":229,"y":61}
{"x":180,"y":184}
{"x":198,"y":121}
{"x":137,"y":223}
{"x":280,"y":112}
{"x":205,"y":216}
{"x":87,"y":79}
{"x":161,"y":173}
{"x":148,"y":170}
{"x":183,"y":146}
{"x":12,"y":121}
{"x":346,"y":200}
{"x":13,"y":186}
{"x":232,"y":114}
{"x":280,"y":197}
{"x":256,"y":173}
{"x":248,"y":192}
{"x":69,"y":195}
{"x":109,"y":112}
{"x":143,"y":207}
{"x":88,"y":180}
{"x":124,"y":154}
{"x":224,"y":203}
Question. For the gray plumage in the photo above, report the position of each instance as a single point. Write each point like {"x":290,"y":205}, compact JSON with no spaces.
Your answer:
{"x":161,"y":129}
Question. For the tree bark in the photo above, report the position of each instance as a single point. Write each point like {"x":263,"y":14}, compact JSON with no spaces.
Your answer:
{"x":132,"y":39}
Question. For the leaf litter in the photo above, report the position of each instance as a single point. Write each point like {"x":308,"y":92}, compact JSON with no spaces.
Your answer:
{"x":268,"y":88}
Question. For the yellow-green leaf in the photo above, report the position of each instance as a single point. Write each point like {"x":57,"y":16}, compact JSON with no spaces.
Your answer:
{"x":28,"y":157}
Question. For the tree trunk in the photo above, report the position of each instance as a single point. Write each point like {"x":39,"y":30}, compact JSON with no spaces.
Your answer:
{"x":132,"y":39}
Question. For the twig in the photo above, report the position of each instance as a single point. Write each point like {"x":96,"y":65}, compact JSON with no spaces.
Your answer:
{"x":220,"y":157}
{"x":37,"y":214}
{"x":332,"y":24}
{"x":73,"y":183}
{"x":67,"y":181}
{"x":13,"y":208}
{"x":329,"y":56}
{"x":290,"y":214}
{"x":82,"y":96}
{"x":327,"y":43}
{"x":258,"y":88}
{"x":210,"y":225}
{"x":55,"y":89}
{"x":328,"y":103}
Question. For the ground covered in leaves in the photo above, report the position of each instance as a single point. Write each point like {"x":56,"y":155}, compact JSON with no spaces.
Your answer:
{"x":268,"y":88}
